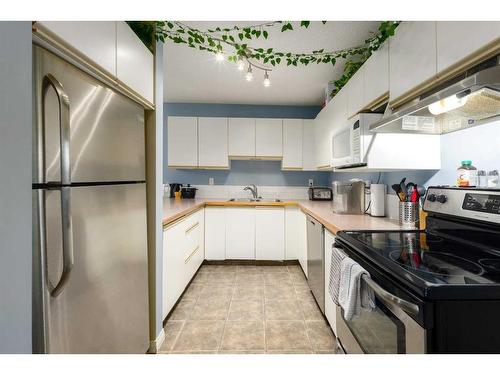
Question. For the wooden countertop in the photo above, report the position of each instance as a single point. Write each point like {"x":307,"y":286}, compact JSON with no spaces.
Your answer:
{"x":174,"y":209}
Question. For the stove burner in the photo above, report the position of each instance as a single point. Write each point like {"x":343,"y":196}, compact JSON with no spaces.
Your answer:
{"x":435,"y":263}
{"x":492,"y":264}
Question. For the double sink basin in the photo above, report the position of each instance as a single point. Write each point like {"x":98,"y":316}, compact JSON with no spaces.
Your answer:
{"x":253,"y":200}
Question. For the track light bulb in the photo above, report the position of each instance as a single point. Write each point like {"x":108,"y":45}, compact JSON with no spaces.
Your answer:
{"x":219,"y":56}
{"x":249,"y":75}
{"x":241,"y":64}
{"x":267,"y":81}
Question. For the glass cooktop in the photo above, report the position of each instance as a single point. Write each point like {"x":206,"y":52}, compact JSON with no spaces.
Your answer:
{"x":433,"y":259}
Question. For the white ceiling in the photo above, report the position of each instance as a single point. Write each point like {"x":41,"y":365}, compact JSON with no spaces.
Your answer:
{"x":193,"y":76}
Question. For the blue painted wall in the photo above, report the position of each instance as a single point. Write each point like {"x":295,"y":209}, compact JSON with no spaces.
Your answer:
{"x":242,"y":172}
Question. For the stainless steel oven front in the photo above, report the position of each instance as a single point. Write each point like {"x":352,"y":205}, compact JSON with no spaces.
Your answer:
{"x":387,"y":329}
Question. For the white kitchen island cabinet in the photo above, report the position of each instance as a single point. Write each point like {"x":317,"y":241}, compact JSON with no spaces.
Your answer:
{"x":240,"y":233}
{"x":269,"y":233}
{"x":269,"y":138}
{"x":212,"y":143}
{"x":182,"y":139}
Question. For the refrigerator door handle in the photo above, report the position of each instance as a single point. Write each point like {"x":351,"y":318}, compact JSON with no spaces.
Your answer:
{"x":50,"y":81}
{"x":67,"y":243}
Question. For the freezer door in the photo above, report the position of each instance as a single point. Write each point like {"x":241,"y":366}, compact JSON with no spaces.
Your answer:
{"x":103,"y":305}
{"x":106,"y":129}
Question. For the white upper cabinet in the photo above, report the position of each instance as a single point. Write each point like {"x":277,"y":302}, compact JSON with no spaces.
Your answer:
{"x":269,"y":233}
{"x":308,"y":149}
{"x":269,"y":138}
{"x":134,"y":62}
{"x":337,"y":117}
{"x":94,"y":39}
{"x":292,"y":144}
{"x":458,"y":40}
{"x":412,"y":56}
{"x":240,"y":233}
{"x":212,"y":143}
{"x":322,"y":143}
{"x":241,"y":137}
{"x":182,"y":142}
{"x":355,"y":92}
{"x":376,"y":75}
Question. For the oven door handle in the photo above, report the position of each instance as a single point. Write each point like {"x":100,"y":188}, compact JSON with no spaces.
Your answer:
{"x":406,"y":306}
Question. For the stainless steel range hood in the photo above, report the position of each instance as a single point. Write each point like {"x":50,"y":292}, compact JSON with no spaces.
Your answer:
{"x":472,"y":101}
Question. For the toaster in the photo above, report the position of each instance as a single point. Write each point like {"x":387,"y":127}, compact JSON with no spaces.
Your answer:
{"x":317,"y":193}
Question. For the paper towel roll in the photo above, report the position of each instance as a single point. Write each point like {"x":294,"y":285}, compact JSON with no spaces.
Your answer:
{"x":377,"y":192}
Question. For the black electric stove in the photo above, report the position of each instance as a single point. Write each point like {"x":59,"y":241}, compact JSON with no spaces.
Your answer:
{"x":451,"y":271}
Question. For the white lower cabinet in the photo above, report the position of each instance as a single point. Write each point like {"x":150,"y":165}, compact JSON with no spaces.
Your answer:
{"x":240,"y":233}
{"x":183,"y":254}
{"x":173,"y":266}
{"x":292,"y":235}
{"x":269,"y":233}
{"x":302,"y":231}
{"x":215,"y":233}
{"x":329,"y":304}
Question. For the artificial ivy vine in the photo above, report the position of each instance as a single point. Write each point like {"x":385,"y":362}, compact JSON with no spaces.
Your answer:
{"x":236,"y":38}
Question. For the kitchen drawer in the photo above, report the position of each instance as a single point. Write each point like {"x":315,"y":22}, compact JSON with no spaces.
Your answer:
{"x":183,"y":253}
{"x":194,"y":244}
{"x":193,"y":232}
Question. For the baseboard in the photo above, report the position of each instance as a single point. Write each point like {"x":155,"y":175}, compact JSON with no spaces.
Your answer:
{"x":251,"y":262}
{"x":155,"y":345}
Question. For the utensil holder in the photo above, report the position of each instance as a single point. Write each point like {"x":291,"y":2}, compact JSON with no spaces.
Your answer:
{"x":409,"y":215}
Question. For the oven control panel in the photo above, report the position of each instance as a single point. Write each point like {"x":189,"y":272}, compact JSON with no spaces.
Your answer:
{"x":472,"y":203}
{"x":482,"y":203}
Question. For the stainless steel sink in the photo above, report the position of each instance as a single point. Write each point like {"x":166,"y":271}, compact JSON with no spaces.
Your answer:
{"x":253,"y":200}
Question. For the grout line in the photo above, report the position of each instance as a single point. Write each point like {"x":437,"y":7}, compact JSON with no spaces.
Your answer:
{"x":226,"y":320}
{"x":178,"y":335}
{"x":304,"y":320}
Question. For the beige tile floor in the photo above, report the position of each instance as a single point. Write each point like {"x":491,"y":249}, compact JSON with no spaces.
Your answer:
{"x":248,"y":309}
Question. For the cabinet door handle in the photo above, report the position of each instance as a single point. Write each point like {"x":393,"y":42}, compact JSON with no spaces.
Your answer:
{"x":192,"y":227}
{"x":191,"y":255}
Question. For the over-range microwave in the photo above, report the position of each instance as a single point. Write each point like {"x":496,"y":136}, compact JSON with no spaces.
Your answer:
{"x":350,"y":143}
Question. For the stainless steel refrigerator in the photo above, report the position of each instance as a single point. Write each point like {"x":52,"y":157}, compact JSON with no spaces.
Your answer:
{"x":90,"y":268}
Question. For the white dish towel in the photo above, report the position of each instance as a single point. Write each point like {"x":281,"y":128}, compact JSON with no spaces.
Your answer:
{"x":354,"y":294}
{"x":335,"y":268}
